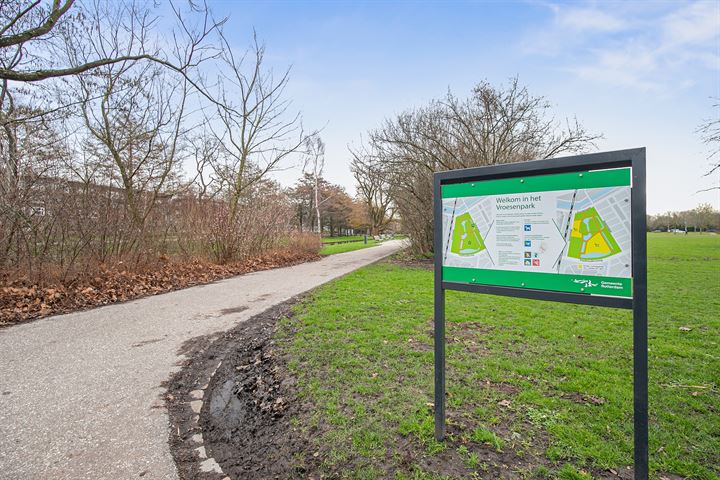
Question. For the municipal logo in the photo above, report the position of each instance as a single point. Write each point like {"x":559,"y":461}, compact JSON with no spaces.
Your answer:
{"x":587,"y":283}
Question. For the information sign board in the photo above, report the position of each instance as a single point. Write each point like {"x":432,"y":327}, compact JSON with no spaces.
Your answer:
{"x":567,"y":232}
{"x":565,"y":229}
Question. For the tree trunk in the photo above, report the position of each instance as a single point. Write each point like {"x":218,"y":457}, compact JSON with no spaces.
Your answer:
{"x":317,"y":203}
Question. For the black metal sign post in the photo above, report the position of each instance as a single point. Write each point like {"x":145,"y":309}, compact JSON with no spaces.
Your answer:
{"x":635,"y":159}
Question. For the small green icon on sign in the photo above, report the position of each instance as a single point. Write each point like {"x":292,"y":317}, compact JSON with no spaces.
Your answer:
{"x":466,"y":239}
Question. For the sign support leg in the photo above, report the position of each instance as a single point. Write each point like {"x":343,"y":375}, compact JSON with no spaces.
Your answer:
{"x":439,"y":363}
{"x":439,"y":322}
{"x":640,"y":389}
{"x":640,"y":321}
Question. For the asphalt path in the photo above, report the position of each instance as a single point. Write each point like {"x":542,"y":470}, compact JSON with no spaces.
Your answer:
{"x":81,"y":394}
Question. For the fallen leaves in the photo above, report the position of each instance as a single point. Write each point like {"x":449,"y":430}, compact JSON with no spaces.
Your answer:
{"x":20,"y":301}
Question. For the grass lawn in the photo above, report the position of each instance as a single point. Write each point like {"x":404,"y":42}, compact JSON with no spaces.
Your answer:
{"x":332,"y":249}
{"x":346,"y":238}
{"x":535,"y":389}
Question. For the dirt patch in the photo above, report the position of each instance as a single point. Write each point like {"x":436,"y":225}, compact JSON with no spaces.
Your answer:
{"x":419,"y":345}
{"x":228,"y":311}
{"x":506,"y":388}
{"x":470,"y":335}
{"x":406,"y":259}
{"x":247,"y":420}
{"x":248,"y":405}
{"x":583,"y":399}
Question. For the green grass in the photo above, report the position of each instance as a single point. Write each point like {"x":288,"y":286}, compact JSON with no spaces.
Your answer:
{"x":548,"y":383}
{"x":331,"y":249}
{"x":346,"y":238}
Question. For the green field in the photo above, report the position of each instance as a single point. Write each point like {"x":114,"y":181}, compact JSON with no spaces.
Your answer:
{"x":535,"y":389}
{"x":331,"y":249}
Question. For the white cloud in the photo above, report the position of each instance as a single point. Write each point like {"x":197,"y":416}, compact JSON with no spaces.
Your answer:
{"x":624,"y":67}
{"x":588,"y":19}
{"x":648,"y":50}
{"x":696,"y":24}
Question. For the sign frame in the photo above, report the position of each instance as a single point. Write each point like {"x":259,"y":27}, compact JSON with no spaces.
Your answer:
{"x":633,"y":158}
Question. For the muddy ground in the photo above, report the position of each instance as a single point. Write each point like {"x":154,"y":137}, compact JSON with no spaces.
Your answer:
{"x":246,"y":414}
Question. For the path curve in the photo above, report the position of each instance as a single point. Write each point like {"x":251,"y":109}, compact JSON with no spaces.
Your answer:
{"x":80,"y":394}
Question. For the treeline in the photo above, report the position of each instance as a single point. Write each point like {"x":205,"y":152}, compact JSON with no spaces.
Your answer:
{"x":394,"y":167}
{"x":700,"y":219}
{"x":126,"y":137}
{"x":340,"y":214}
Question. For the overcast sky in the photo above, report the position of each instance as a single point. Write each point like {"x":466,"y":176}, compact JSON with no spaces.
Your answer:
{"x":641,"y":73}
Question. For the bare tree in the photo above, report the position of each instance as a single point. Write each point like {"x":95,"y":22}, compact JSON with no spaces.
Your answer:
{"x":134,"y":113}
{"x":315,"y":161}
{"x":41,"y":40}
{"x":135,"y":128}
{"x":256,"y":131}
{"x":253,"y":125}
{"x":29,"y":153}
{"x":31,"y":34}
{"x":710,"y":134}
{"x":493,"y":125}
{"x":203,"y":149}
{"x":374,"y":188}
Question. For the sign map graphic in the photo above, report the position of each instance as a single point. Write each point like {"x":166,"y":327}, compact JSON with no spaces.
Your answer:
{"x":591,"y":238}
{"x":580,"y":232}
{"x":466,"y":239}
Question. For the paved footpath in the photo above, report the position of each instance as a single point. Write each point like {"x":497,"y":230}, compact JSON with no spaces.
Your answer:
{"x":80,"y":394}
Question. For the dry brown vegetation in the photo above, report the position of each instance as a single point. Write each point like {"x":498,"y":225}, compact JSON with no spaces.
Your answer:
{"x":101,"y":284}
{"x":136,"y":155}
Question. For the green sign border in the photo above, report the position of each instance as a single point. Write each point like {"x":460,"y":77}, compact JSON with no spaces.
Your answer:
{"x":559,"y":282}
{"x":617,"y":177}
